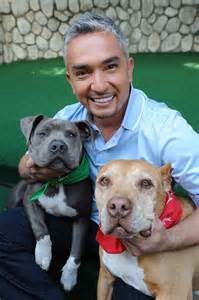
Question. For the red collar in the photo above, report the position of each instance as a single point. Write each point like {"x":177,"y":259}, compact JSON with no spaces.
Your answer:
{"x":170,"y":216}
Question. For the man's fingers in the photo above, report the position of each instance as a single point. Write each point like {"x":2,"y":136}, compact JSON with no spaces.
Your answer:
{"x":44,"y":173}
{"x":33,"y":173}
{"x":132,"y":248}
{"x":29,"y":162}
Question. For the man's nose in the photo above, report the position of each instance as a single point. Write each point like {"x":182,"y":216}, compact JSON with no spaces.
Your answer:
{"x":99,"y":83}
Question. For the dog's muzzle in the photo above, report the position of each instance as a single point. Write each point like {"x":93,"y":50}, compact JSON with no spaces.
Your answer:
{"x":119,"y":207}
{"x":57,"y":147}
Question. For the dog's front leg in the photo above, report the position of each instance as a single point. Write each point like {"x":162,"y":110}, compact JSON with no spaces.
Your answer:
{"x":43,"y":251}
{"x":70,"y":269}
{"x":105,"y":282}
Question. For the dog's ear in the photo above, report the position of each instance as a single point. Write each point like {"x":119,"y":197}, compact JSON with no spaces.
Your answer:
{"x":28,"y":125}
{"x":166,"y":176}
{"x":85,"y":129}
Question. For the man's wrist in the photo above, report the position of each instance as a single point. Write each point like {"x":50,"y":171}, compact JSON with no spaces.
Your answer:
{"x":23,"y":170}
{"x":171,"y":241}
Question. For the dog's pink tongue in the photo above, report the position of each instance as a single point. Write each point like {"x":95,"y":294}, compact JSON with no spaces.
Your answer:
{"x":145,"y":233}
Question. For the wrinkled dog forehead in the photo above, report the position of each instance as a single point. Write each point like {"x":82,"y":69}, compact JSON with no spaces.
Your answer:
{"x":31,"y":124}
{"x":57,"y":124}
{"x":80,"y":129}
{"x":58,"y":130}
{"x":133,"y":170}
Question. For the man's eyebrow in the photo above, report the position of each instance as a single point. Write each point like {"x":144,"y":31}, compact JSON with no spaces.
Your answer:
{"x":86,"y":66}
{"x":111,"y":59}
{"x":79,"y":67}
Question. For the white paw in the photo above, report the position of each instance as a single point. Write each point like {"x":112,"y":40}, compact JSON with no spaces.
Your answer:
{"x":69,"y":274}
{"x":43,"y":253}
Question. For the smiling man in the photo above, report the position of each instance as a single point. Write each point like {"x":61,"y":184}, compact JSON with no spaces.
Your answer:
{"x":100,"y":74}
{"x":127,"y":125}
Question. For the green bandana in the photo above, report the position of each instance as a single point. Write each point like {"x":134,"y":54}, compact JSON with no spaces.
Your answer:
{"x":78,"y":174}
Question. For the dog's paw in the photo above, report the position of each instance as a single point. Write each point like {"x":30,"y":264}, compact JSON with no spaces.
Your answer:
{"x":69,"y":274}
{"x":43,"y":253}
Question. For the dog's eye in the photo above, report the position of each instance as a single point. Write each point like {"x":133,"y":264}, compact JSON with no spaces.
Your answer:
{"x":70,"y":134}
{"x":104,"y":181}
{"x":42,"y":134}
{"x":146,"y":183}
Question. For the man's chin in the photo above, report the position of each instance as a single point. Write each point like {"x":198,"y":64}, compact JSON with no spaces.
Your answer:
{"x":103,"y":114}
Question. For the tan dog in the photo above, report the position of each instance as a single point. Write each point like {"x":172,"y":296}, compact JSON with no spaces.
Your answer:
{"x":129,"y":194}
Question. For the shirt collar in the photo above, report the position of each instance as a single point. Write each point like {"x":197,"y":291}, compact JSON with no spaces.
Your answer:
{"x":134,"y":109}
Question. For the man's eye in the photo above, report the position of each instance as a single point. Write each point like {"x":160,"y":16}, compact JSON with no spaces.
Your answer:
{"x":81,"y":74}
{"x":112,"y":67}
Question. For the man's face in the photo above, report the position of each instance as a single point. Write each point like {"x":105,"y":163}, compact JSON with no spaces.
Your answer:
{"x":99,"y":73}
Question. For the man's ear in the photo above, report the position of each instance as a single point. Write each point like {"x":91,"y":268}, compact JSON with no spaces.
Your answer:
{"x":67,"y":76}
{"x":85,"y":129}
{"x":69,"y":80}
{"x":130,"y":63}
{"x":28,"y":125}
{"x":166,"y":176}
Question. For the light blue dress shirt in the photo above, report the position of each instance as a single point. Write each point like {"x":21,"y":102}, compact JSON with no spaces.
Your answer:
{"x":150,"y":131}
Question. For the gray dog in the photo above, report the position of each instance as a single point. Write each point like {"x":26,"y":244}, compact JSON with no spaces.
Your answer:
{"x":57,"y":144}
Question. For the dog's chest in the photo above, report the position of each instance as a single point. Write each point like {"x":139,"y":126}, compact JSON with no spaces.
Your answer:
{"x":126,"y":267}
{"x":57,"y":204}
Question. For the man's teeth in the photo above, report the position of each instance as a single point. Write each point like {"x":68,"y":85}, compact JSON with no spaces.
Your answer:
{"x":102,"y":100}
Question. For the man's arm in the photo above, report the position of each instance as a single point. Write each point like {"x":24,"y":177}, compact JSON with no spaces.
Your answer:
{"x":176,"y":137}
{"x":30,"y":171}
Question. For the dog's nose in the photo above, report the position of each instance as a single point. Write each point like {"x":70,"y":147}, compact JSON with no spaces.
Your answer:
{"x":119,"y":207}
{"x":57,"y":146}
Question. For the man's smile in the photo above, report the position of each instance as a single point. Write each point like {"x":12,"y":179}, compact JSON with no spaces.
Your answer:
{"x":103,"y":99}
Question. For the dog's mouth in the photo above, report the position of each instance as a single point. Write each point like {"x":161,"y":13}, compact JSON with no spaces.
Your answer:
{"x":120,"y":231}
{"x":123,"y":230}
{"x":146,"y":233}
{"x":60,"y":164}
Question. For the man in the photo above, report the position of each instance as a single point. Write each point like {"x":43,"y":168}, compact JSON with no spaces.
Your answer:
{"x":128,"y":125}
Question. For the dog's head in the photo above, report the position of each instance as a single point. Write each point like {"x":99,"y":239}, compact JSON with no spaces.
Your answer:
{"x":53,"y":142}
{"x":129,"y":194}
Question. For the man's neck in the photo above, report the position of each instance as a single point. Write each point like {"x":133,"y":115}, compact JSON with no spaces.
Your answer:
{"x":108,"y":126}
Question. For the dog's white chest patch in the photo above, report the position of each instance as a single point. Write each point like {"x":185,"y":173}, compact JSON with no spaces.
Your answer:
{"x":57,"y":205}
{"x":125,"y":266}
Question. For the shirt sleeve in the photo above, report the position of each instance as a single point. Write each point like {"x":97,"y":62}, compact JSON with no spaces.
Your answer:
{"x":65,"y":113}
{"x":179,"y":145}
{"x":73,"y":112}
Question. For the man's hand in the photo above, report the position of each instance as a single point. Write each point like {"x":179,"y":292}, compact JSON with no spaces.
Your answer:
{"x":30,"y":171}
{"x":157,"y":242}
{"x":182,"y":235}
